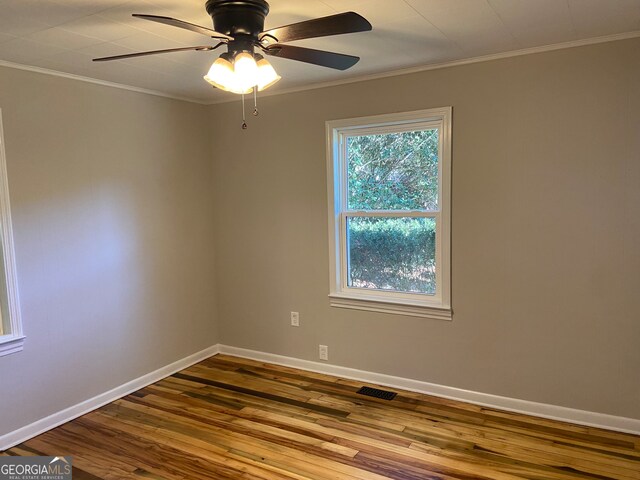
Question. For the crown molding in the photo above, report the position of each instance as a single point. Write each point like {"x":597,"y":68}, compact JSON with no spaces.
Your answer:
{"x":104,"y":83}
{"x":452,"y":63}
{"x":345,"y":81}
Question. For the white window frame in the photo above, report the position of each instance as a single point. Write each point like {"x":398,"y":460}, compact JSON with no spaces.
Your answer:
{"x":11,"y":340}
{"x":436,"y":306}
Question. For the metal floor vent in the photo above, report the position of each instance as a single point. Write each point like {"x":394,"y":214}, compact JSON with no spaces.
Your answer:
{"x":377,"y":393}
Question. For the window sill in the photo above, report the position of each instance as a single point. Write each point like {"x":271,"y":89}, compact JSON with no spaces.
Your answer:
{"x":11,"y":344}
{"x":385,"y":305}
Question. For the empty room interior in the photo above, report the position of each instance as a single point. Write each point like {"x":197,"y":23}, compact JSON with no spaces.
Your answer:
{"x":320,"y":239}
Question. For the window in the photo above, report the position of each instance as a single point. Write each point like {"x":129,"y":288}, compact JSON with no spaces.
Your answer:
{"x":389,"y":213}
{"x":11,"y":337}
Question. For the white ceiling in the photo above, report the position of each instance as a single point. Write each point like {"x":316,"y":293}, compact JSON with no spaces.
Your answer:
{"x":64,"y":35}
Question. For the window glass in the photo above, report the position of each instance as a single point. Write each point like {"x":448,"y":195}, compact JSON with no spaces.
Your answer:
{"x":393,"y":171}
{"x":397,"y":254}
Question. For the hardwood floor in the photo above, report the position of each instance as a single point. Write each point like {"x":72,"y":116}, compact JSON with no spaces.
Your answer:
{"x":230,"y":418}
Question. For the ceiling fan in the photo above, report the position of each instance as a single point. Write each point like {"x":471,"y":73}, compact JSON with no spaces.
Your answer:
{"x":239,"y":24}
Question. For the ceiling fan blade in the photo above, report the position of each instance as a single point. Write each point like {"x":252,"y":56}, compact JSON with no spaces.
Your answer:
{"x":339,"y":61}
{"x":203,"y":48}
{"x":339,"y":24}
{"x":182,"y":24}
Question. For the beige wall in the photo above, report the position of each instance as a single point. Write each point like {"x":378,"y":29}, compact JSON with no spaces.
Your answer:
{"x":113,"y":228}
{"x":546,"y":229}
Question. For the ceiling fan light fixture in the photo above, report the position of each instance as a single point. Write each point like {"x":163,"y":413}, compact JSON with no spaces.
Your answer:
{"x":243,"y":74}
{"x":267,"y":75}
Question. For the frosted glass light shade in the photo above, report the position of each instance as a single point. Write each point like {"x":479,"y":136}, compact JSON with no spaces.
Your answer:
{"x":221,"y":74}
{"x":246,"y":70}
{"x":267,"y":75}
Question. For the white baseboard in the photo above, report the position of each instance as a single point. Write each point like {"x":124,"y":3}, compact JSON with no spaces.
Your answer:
{"x":581,"y":417}
{"x":554,"y":412}
{"x":40,"y":426}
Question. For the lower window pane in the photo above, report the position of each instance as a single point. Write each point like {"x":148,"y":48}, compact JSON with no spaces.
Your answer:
{"x":397,"y":254}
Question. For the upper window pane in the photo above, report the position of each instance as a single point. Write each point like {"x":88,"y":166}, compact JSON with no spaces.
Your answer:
{"x":393,"y":171}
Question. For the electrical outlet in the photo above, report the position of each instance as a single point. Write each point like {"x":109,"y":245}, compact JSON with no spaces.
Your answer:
{"x":324,"y":352}
{"x":295,"y":319}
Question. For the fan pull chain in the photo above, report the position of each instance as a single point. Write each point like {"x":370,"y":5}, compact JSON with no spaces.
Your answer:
{"x":255,"y":102}
{"x":244,"y":120}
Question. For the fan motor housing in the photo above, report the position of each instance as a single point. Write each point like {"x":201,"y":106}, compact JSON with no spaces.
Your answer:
{"x":238,"y":17}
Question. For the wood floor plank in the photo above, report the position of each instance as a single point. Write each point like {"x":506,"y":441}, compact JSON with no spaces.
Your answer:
{"x":243,"y":440}
{"x":231,"y":418}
